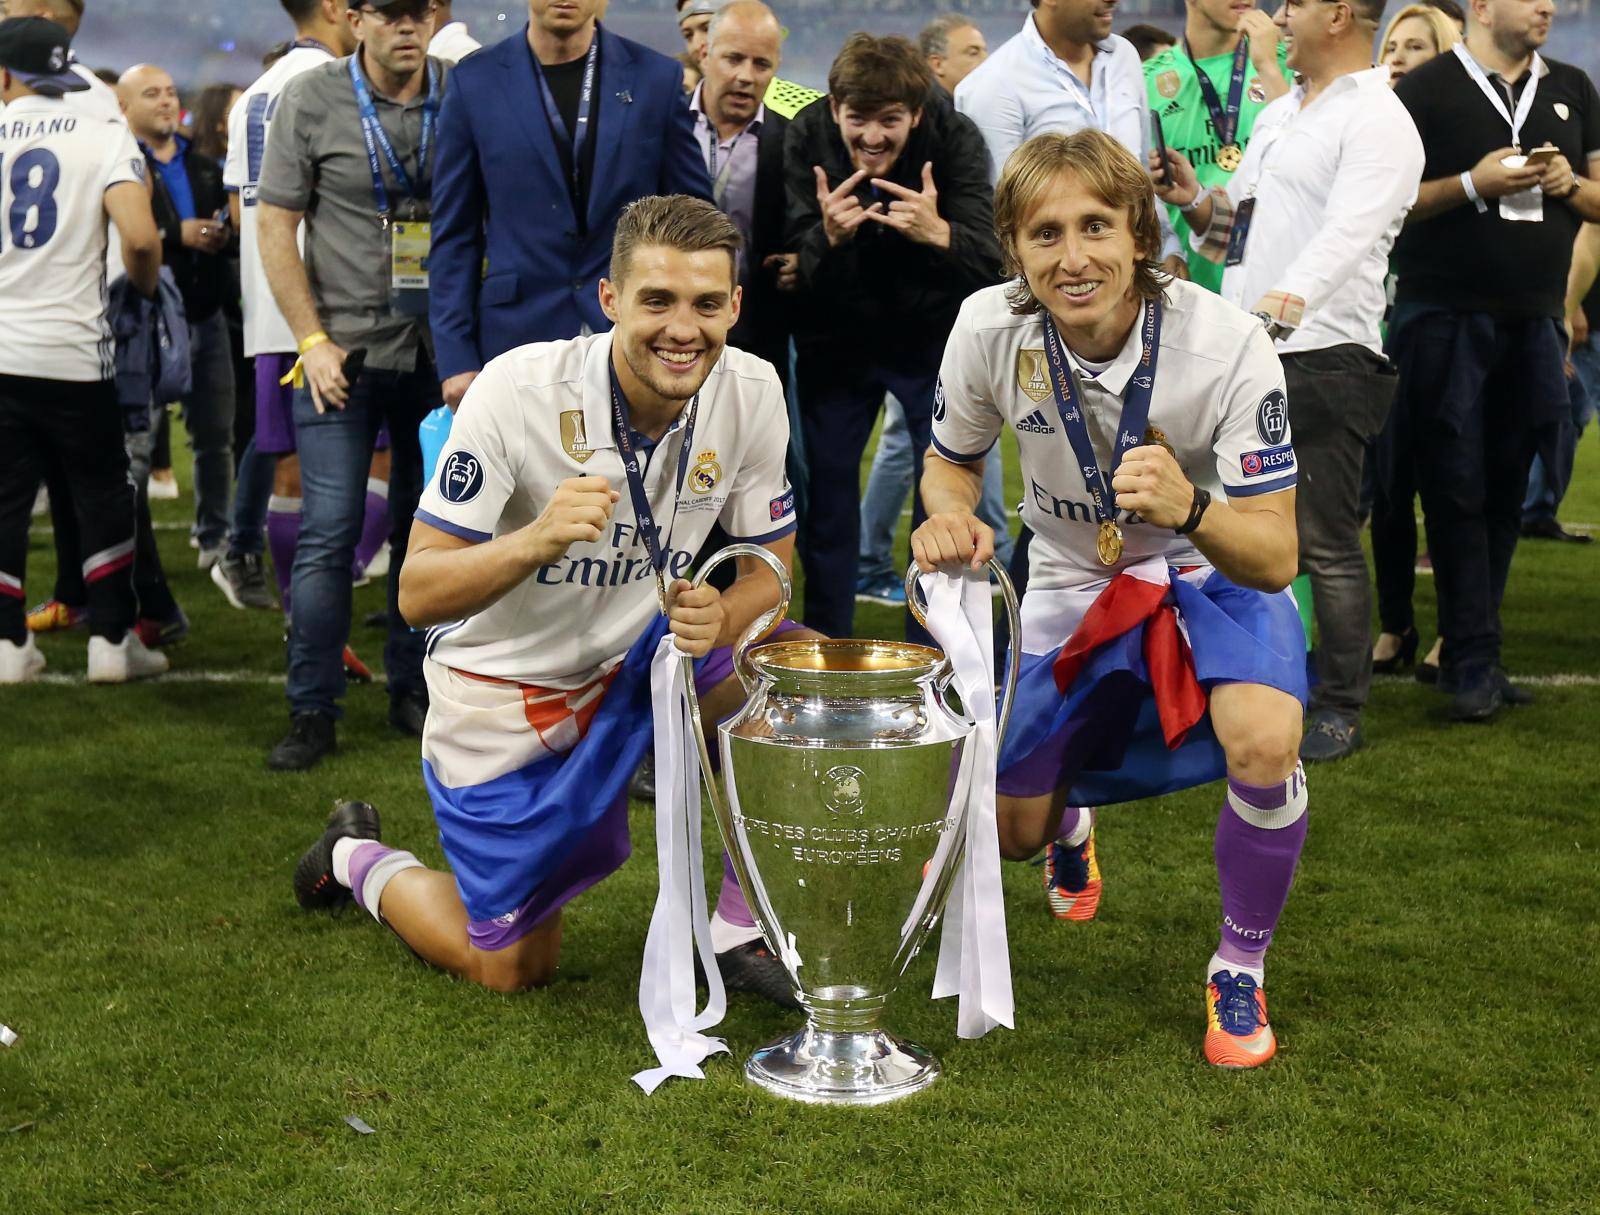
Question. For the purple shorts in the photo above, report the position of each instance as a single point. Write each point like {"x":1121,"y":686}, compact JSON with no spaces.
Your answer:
{"x":274,"y":405}
{"x":604,"y":846}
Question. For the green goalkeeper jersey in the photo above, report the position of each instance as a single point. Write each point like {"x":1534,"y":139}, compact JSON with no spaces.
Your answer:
{"x":1174,"y":94}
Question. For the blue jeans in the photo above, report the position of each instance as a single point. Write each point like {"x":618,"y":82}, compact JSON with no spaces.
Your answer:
{"x":1558,"y":448}
{"x":335,"y":450}
{"x":208,"y":417}
{"x":890,"y":482}
{"x":251,"y":492}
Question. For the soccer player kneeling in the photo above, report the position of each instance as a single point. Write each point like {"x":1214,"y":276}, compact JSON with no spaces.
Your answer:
{"x":579,"y":480}
{"x":1160,"y":648}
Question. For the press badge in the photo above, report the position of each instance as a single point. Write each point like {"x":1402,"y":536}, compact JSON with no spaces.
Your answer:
{"x":410,"y":242}
{"x":1525,"y":206}
{"x":1240,"y":231}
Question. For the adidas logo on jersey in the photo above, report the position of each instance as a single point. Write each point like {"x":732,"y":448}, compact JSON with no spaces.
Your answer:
{"x":1171,"y":108}
{"x":1036,"y":424}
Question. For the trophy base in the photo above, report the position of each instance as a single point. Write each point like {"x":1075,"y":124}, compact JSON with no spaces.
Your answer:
{"x":868,"y":1067}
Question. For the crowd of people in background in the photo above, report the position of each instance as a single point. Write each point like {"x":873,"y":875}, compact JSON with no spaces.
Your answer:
{"x":1437,"y":344}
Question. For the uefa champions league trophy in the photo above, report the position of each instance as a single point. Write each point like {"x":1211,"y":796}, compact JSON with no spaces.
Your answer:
{"x":838,"y":817}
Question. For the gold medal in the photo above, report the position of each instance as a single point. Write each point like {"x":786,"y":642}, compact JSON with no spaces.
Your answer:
{"x":1229,"y":157}
{"x":1108,"y":544}
{"x":1155,"y":435}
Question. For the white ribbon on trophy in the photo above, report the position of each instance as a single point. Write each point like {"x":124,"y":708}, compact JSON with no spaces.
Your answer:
{"x":680,"y":924}
{"x":974,"y":961}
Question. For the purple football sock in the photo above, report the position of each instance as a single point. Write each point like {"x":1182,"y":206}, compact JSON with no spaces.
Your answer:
{"x":361,"y":862}
{"x":730,"y":903}
{"x":283,"y":535}
{"x":1076,"y":821}
{"x":374,"y":524}
{"x":1259,"y":837}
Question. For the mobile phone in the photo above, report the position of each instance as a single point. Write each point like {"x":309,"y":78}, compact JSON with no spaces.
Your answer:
{"x":353,"y":363}
{"x":1539,"y":157}
{"x":1159,"y":138}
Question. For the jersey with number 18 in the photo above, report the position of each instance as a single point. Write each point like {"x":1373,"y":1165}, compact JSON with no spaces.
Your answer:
{"x":265,"y":330}
{"x":56,"y":164}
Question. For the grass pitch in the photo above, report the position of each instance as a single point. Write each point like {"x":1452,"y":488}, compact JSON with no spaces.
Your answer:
{"x":192,"y":1042}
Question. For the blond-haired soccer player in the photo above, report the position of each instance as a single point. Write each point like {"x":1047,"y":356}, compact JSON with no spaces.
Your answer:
{"x":579,"y":480}
{"x":1160,"y":649}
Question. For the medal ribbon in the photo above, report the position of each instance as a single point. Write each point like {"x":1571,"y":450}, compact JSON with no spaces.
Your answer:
{"x":577,"y":139}
{"x":657,"y":547}
{"x":1224,"y":120}
{"x":1524,"y":103}
{"x":377,"y":139}
{"x":1135,"y":409}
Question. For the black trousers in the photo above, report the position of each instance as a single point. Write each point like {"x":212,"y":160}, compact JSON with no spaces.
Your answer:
{"x":1338,"y":399}
{"x":840,"y":398}
{"x":1476,"y":390}
{"x":75,"y":431}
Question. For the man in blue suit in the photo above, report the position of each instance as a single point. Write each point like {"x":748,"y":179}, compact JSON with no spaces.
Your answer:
{"x":543,"y":140}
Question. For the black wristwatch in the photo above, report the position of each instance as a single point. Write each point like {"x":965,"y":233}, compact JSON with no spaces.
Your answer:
{"x":1202,"y":499}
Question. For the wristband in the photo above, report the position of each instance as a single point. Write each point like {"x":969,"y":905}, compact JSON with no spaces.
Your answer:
{"x":1202,"y":499}
{"x":312,"y":341}
{"x":1471,"y":191}
{"x":1193,"y":205}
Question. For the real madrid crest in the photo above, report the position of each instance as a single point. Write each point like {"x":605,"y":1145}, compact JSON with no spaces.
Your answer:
{"x":1561,"y":110}
{"x":705,"y":474}
{"x":1167,"y":85}
{"x":1257,"y":92}
{"x":574,"y":438}
{"x":1031,"y":377}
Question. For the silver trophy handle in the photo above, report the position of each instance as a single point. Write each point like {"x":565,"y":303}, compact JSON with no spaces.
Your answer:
{"x":759,"y":629}
{"x":1013,"y":616}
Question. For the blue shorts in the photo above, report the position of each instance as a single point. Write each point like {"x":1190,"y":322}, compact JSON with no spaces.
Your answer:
{"x":1103,"y":739}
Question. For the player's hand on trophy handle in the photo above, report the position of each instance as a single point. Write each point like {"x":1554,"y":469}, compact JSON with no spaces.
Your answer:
{"x":1185,"y":187}
{"x":323,"y":366}
{"x":1491,"y":179}
{"x":577,"y":513}
{"x":696,"y":616}
{"x":1150,"y":481}
{"x":455,"y":388}
{"x":952,"y":538}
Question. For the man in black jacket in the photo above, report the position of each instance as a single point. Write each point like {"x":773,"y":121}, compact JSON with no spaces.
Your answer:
{"x":742,"y":143}
{"x":190,"y":203}
{"x":891,"y":213}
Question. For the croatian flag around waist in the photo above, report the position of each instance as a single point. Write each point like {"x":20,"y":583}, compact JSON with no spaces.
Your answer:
{"x":516,"y":829}
{"x":1119,"y":712}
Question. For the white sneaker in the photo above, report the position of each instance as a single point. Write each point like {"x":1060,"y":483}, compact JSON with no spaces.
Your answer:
{"x":378,"y":568}
{"x":163,"y":490}
{"x":20,"y":663}
{"x":125,"y":661}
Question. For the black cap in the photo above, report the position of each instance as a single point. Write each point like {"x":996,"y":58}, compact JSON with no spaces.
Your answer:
{"x":36,"y":52}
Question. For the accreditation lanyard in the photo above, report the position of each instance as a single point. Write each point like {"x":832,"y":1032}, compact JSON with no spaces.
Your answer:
{"x":656,"y":546}
{"x":377,"y":139}
{"x":577,"y":139}
{"x":1224,"y":119}
{"x":719,"y":181}
{"x":1135,"y":410}
{"x":1496,"y":98}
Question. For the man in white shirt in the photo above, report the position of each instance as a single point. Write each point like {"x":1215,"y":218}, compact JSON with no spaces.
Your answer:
{"x":580,"y":479}
{"x":1065,"y":71}
{"x":1305,"y":228}
{"x":1160,"y":649}
{"x":64,"y":174}
{"x":450,"y":41}
{"x":321,"y":32}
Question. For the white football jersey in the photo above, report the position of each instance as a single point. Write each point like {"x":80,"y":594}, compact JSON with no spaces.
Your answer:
{"x":265,"y":330}
{"x":1218,"y":399}
{"x":541,"y":414}
{"x":56,"y":164}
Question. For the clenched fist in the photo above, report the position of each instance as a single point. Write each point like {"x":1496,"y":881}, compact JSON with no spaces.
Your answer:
{"x":577,"y":513}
